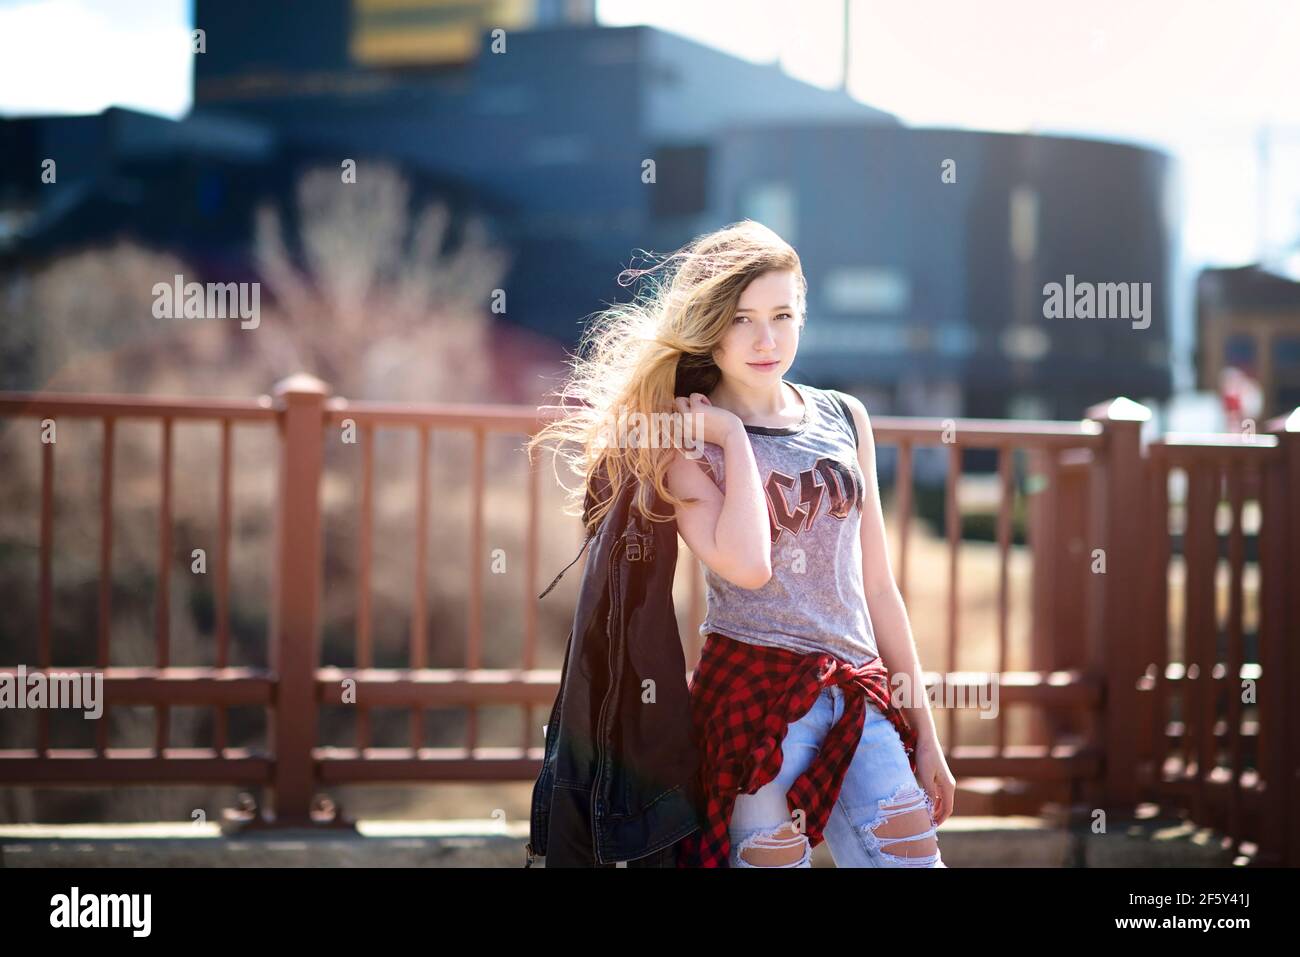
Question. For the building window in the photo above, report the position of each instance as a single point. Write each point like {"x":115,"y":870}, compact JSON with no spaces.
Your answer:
{"x":1239,"y":350}
{"x":561,"y":149}
{"x":867,"y":289}
{"x":773,"y":205}
{"x":954,"y":339}
{"x":863,"y":338}
{"x":1024,"y":343}
{"x":1028,"y":406}
{"x":681,"y":181}
{"x":1024,"y":223}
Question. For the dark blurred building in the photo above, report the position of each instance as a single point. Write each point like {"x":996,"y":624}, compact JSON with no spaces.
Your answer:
{"x":1249,"y":318}
{"x":925,"y":296}
{"x":930,"y":294}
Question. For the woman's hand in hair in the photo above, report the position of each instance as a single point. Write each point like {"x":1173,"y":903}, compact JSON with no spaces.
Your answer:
{"x":708,"y":422}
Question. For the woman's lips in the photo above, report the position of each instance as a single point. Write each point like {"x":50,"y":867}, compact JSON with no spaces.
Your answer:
{"x":764,"y":366}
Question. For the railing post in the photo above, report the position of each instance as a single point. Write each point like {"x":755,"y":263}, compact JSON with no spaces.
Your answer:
{"x":1115,"y":524}
{"x":295,"y":615}
{"x":1058,"y":543}
{"x":1044,"y":550}
{"x":1279,"y":654}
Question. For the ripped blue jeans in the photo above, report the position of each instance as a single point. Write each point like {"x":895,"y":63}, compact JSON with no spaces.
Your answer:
{"x":881,"y":818}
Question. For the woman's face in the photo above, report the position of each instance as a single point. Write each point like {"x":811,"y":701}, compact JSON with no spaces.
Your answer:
{"x":763,"y":338}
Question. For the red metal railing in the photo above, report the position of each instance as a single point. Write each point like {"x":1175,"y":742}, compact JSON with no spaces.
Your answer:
{"x":1101,"y":670}
{"x":1230,"y":708}
{"x":162,"y":686}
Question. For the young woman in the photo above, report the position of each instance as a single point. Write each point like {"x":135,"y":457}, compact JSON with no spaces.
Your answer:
{"x":803,"y":733}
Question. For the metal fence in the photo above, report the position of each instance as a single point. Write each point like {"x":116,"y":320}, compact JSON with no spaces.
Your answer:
{"x":1127,"y":708}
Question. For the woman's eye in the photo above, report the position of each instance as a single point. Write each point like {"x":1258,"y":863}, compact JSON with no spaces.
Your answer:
{"x":740,"y":319}
{"x":784,"y":315}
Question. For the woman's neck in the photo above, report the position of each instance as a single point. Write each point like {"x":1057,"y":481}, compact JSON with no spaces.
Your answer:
{"x":762,"y":407}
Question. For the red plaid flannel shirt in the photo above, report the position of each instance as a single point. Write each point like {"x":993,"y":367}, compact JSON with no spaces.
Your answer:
{"x":743,"y":697}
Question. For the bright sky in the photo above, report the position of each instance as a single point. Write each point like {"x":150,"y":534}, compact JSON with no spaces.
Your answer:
{"x":1201,"y":78}
{"x":81,"y":56}
{"x":1017,"y":64}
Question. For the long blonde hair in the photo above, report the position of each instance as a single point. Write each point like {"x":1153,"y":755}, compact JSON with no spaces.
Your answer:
{"x":636,"y":357}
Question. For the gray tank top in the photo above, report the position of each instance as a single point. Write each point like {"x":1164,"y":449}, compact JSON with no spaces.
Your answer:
{"x":814,"y":601}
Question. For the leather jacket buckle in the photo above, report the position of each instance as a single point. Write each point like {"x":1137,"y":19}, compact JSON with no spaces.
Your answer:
{"x":640,"y":547}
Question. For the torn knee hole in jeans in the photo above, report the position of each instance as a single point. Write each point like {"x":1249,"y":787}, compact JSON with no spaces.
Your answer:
{"x":781,"y":847}
{"x":900,"y":832}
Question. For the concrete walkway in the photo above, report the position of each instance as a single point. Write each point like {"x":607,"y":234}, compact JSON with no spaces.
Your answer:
{"x":967,"y":841}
